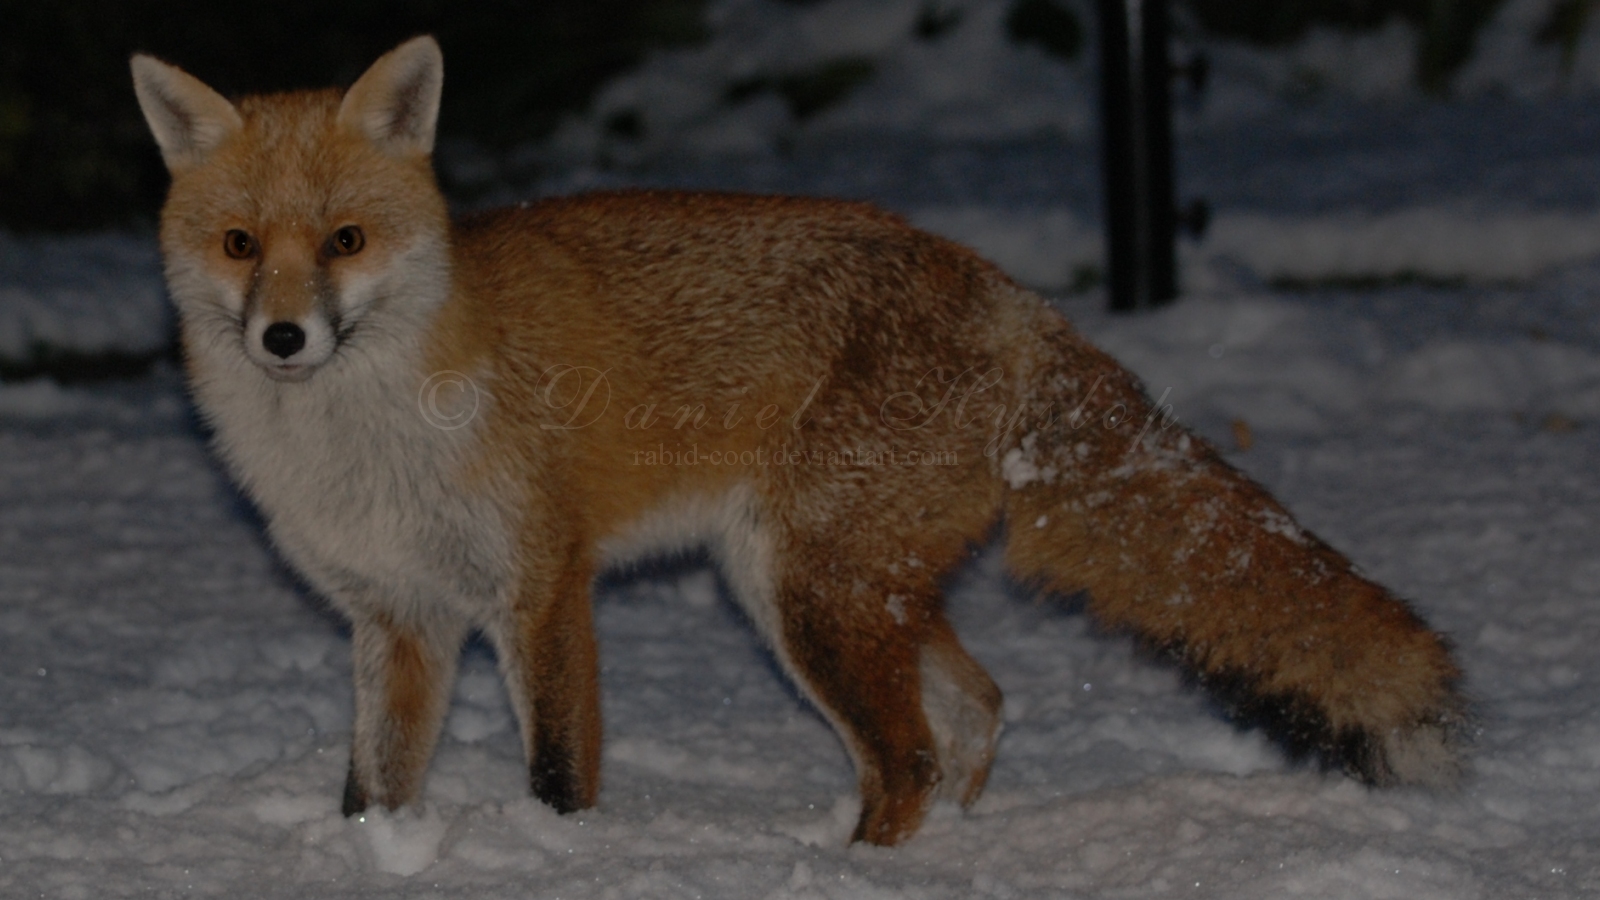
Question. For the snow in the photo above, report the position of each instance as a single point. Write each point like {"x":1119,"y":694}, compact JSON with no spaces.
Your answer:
{"x":175,"y":708}
{"x":92,"y":294}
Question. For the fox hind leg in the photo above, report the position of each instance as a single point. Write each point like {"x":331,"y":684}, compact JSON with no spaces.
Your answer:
{"x":865,"y":676}
{"x":962,"y":705}
{"x":875,"y":653}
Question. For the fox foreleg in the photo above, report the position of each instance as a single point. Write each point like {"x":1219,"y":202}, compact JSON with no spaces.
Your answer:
{"x":552,"y":669}
{"x":403,"y":674}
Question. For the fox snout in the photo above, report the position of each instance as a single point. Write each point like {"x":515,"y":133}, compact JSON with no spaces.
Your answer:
{"x":289,"y":349}
{"x":289,"y":334}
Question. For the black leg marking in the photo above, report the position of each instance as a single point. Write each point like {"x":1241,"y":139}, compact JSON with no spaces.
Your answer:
{"x":355,"y":796}
{"x":553,"y":779}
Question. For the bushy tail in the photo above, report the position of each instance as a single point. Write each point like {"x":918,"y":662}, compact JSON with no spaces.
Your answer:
{"x":1109,"y":496}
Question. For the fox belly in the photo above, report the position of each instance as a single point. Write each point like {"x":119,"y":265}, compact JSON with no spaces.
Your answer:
{"x":841,"y":408}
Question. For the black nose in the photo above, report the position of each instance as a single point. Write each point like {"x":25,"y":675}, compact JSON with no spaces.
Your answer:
{"x":283,"y":339}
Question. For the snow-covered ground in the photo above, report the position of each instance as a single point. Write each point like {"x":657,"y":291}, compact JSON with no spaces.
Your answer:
{"x":175,"y":710}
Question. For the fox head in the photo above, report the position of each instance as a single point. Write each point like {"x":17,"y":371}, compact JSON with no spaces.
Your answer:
{"x":299,"y":225}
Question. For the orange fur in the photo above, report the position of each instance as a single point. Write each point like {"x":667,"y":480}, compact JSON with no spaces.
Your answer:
{"x":840,"y":406}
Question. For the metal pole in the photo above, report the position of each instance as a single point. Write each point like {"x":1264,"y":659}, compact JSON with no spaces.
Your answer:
{"x":1161,"y":204}
{"x":1118,"y":154}
{"x":1136,"y":146}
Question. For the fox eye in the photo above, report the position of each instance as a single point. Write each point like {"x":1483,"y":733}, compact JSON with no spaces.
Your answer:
{"x":347,"y":241}
{"x":238,"y":244}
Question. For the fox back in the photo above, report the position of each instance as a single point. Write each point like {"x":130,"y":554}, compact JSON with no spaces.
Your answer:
{"x":452,"y":425}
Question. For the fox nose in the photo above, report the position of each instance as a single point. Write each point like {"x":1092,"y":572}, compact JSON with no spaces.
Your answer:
{"x":283,"y":339}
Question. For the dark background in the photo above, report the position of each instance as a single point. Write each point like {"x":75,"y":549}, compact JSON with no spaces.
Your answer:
{"x":74,"y":152}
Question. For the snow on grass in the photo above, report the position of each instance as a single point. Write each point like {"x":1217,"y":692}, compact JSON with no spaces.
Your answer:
{"x":969,"y":82}
{"x":90,"y":294}
{"x":1051,"y":247}
{"x":1430,"y":243}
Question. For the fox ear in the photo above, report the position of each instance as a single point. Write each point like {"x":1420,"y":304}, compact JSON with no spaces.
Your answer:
{"x":395,"y":104}
{"x":188,"y":119}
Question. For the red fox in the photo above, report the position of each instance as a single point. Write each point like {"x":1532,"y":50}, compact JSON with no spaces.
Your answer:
{"x":451,"y":425}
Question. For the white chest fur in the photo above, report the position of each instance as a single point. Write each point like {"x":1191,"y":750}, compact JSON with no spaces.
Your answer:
{"x":362,"y":493}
